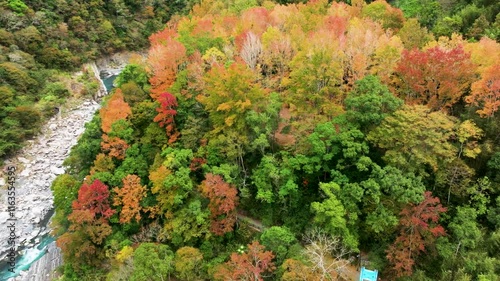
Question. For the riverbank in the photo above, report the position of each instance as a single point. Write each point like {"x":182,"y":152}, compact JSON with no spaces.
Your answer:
{"x":37,"y":165}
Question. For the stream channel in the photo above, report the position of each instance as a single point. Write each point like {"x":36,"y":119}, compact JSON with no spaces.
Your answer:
{"x":37,"y":166}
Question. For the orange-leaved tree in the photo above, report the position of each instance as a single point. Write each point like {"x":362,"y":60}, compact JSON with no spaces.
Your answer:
{"x":114,"y":146}
{"x":248,"y":266}
{"x":223,"y":201}
{"x":486,"y":92}
{"x":116,"y":109}
{"x":129,"y":197}
{"x":164,"y":58}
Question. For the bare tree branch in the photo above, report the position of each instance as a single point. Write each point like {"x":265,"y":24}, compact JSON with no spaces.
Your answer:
{"x":326,"y":253}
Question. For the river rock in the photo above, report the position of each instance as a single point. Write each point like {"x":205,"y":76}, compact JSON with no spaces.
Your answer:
{"x":4,"y":216}
{"x":44,"y":268}
{"x":23,"y":160}
{"x":33,"y":195}
{"x":56,"y":170}
{"x":25,"y":173}
{"x":48,"y":151}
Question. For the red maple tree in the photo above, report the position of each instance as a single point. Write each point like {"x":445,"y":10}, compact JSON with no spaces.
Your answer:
{"x":166,"y":113}
{"x":435,"y":77}
{"x":93,"y":198}
{"x":418,"y":230}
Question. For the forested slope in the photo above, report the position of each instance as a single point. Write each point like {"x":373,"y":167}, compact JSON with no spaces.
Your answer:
{"x":472,"y":18}
{"x":341,"y":128}
{"x":41,"y":40}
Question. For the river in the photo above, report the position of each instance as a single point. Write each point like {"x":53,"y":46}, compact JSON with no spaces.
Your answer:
{"x":37,"y":166}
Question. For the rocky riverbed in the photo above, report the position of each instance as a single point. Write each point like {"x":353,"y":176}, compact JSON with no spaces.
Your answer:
{"x":44,"y":268}
{"x":37,"y":166}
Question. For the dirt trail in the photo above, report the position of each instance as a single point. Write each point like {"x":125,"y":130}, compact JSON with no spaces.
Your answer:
{"x":349,"y":271}
{"x":255,"y":224}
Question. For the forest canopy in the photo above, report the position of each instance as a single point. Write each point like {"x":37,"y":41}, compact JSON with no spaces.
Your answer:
{"x":42,"y":40}
{"x":278,"y":141}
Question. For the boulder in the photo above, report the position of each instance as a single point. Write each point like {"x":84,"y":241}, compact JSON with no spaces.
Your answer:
{"x":23,"y":160}
{"x":56,"y":170}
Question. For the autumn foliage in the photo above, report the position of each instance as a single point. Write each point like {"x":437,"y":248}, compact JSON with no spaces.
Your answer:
{"x":166,"y":113}
{"x":116,"y":109}
{"x":164,"y":58}
{"x":223,"y":201}
{"x":102,"y":163}
{"x":418,"y":229}
{"x":486,"y":92}
{"x":89,"y":223}
{"x":320,"y":119}
{"x":435,"y":77}
{"x":129,"y":198}
{"x":93,"y":198}
{"x":248,"y":266}
{"x":114,"y":146}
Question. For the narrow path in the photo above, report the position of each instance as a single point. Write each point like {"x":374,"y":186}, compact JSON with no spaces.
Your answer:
{"x":253,"y":223}
{"x":350,"y":272}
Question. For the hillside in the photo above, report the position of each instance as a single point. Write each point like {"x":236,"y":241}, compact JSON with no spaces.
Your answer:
{"x":340,"y":129}
{"x":42,"y":42}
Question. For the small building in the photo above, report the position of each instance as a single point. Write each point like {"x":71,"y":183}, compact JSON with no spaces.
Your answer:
{"x":368,"y":275}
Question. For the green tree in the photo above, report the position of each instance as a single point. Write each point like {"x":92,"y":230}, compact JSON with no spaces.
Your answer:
{"x":133,"y":94}
{"x":494,"y":213}
{"x":229,"y":95}
{"x":275,"y":181}
{"x":187,"y":225}
{"x":413,"y":35}
{"x":388,"y":16}
{"x":446,"y":26}
{"x":370,"y":102}
{"x":152,"y":262}
{"x":464,"y":228}
{"x":188,"y":263}
{"x":384,"y":194}
{"x":17,"y":6}
{"x":409,"y":139}
{"x":84,"y":153}
{"x":426,"y":11}
{"x":278,"y":239}
{"x":65,"y":189}
{"x":330,"y":214}
{"x":133,"y":73}
{"x":313,"y":83}
{"x":17,"y":77}
{"x":175,"y":184}
{"x":466,"y":250}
